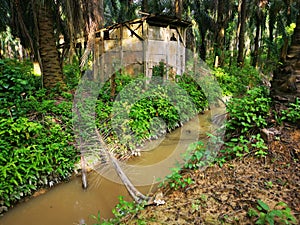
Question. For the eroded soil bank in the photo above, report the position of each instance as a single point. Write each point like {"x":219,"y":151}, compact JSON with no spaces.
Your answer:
{"x":224,"y":195}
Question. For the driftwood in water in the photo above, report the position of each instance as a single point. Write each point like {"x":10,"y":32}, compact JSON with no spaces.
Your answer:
{"x":135,"y":194}
{"x":89,"y":138}
{"x":83,"y":172}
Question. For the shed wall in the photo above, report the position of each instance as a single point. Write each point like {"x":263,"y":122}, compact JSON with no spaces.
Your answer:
{"x":137,"y":48}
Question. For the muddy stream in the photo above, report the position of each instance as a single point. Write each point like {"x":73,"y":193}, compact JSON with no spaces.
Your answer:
{"x":69,"y":204}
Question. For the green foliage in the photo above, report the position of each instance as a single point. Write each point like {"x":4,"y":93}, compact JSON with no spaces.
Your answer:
{"x":121,"y":212}
{"x":159,"y":70}
{"x":236,"y":147}
{"x":32,"y":155}
{"x":72,"y":74}
{"x":17,"y":82}
{"x":239,"y":147}
{"x":146,"y":110}
{"x":35,"y":134}
{"x":16,"y":78}
{"x":250,"y":112}
{"x":247,"y":116}
{"x":235,"y":81}
{"x":176,"y":180}
{"x":259,"y":145}
{"x":196,"y":156}
{"x":125,"y":207}
{"x":281,"y":214}
{"x":292,"y":114}
{"x":194,"y":91}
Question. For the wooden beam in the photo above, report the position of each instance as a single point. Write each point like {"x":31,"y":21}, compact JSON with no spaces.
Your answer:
{"x":180,"y":36}
{"x":133,"y":32}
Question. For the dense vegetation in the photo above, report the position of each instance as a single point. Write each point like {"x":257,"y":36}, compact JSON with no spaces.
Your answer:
{"x":151,"y":110}
{"x":36,"y":138}
{"x":248,"y":115}
{"x":224,"y":32}
{"x":242,"y":41}
{"x":37,"y":141}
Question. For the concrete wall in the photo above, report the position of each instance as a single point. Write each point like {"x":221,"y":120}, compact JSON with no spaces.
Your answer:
{"x":137,"y":47}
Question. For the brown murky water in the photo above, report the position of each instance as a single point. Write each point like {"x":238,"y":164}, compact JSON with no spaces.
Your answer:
{"x":69,"y":204}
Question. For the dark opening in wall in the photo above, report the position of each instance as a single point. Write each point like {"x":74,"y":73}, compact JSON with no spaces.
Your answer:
{"x":106,"y":35}
{"x":173,"y":38}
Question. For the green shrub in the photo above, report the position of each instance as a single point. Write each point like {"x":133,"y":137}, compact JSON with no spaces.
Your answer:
{"x":196,"y":156}
{"x":122,"y":212}
{"x":247,"y":116}
{"x":235,"y":80}
{"x":36,"y":138}
{"x":176,"y":180}
{"x":17,"y":82}
{"x":32,"y":155}
{"x":146,"y":110}
{"x":17,"y":79}
{"x":194,"y":91}
{"x":72,"y":74}
{"x":281,"y":214}
{"x":292,"y":114}
{"x":250,"y":112}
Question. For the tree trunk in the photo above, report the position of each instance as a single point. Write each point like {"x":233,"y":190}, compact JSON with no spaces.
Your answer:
{"x":51,"y":69}
{"x":286,"y":81}
{"x":203,"y":45}
{"x":242,"y":26}
{"x":135,"y":194}
{"x":257,"y":37}
{"x":271,"y":31}
{"x":220,"y":35}
{"x":145,"y":7}
{"x":284,"y":48}
{"x":178,"y":8}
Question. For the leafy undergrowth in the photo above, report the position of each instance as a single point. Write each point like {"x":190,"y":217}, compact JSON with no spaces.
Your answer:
{"x":140,"y":112}
{"x":253,"y":180}
{"x":36,"y":137}
{"x":231,"y":194}
{"x":37,"y":147}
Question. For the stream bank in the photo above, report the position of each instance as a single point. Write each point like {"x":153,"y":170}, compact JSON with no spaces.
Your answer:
{"x":67,"y":203}
{"x":224,"y":195}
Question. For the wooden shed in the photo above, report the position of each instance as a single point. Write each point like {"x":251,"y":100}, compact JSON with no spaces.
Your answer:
{"x":138,"y":45}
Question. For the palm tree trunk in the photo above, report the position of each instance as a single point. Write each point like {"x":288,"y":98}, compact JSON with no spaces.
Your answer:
{"x":220,"y":34}
{"x":284,"y":48}
{"x":203,"y":44}
{"x":271,"y":31}
{"x":145,"y":7}
{"x":51,"y":69}
{"x":259,"y":15}
{"x":286,"y":81}
{"x":135,"y":194}
{"x":242,"y":25}
{"x":178,"y":8}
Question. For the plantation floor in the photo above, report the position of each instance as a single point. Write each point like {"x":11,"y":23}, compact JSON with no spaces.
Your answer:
{"x":224,"y":195}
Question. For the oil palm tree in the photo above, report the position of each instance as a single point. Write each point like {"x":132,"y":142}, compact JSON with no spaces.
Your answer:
{"x":242,"y":11}
{"x":33,"y":22}
{"x":47,"y":51}
{"x":40,"y":25}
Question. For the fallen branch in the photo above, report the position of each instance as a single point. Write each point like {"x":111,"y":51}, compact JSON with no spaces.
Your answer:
{"x":135,"y":194}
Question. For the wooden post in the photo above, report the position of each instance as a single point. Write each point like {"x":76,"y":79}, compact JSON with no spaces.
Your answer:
{"x":83,"y":172}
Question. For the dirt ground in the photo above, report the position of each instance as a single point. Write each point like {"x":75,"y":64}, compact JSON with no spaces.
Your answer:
{"x":224,"y":195}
